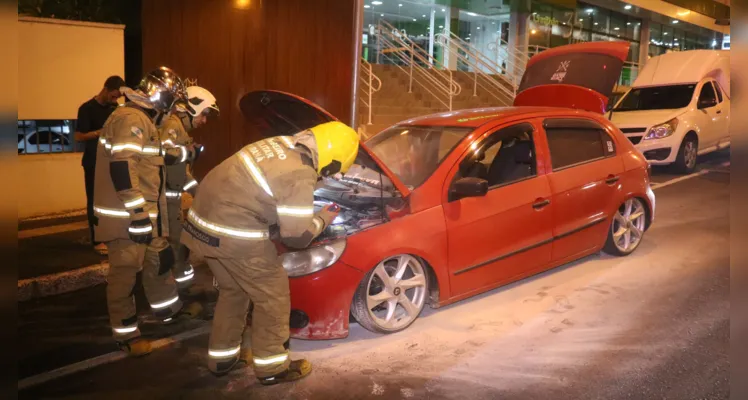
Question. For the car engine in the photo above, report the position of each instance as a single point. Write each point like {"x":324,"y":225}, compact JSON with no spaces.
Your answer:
{"x":365,"y":196}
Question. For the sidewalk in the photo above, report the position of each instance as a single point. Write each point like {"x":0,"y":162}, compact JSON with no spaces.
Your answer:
{"x":67,"y":328}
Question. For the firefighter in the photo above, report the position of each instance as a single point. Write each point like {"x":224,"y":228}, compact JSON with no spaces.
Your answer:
{"x":193,"y":114}
{"x":130,"y":206}
{"x":266,"y":187}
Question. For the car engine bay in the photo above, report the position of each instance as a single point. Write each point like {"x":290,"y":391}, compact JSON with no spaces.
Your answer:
{"x":366,"y":198}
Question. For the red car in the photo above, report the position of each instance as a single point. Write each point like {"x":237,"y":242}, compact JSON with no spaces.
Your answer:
{"x":443,"y":207}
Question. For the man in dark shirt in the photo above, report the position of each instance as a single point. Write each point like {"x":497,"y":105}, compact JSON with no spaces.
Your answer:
{"x":91,"y":117}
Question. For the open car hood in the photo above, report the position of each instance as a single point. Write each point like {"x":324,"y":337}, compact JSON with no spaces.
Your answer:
{"x":275,"y":113}
{"x":580,"y":76}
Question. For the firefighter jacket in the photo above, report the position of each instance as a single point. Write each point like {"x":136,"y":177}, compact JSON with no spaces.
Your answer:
{"x":130,"y":179}
{"x":266,"y":186}
{"x":178,"y":175}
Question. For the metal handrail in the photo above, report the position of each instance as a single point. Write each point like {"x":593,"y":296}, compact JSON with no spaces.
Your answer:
{"x":516,"y":58}
{"x":492,"y":81}
{"x":436,"y":79}
{"x":372,"y":84}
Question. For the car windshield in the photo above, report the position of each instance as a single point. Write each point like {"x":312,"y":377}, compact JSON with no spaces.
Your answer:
{"x":657,"y":98}
{"x":413,"y":153}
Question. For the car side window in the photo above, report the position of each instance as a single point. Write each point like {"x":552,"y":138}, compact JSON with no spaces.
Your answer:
{"x":707,"y":96}
{"x":504,"y":157}
{"x":718,"y":90}
{"x":571,"y":145}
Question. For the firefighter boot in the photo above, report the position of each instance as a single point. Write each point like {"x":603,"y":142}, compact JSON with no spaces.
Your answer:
{"x":297,"y":370}
{"x":191,"y":310}
{"x":137,"y":347}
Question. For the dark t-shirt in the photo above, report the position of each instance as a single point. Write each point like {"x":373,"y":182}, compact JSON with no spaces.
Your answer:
{"x":91,"y":117}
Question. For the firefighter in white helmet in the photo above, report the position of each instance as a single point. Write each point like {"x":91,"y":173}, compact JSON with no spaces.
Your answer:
{"x":190,"y":115}
{"x":267,"y":185}
{"x":130,"y":207}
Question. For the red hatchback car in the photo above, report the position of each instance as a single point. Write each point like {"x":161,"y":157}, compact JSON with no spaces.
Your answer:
{"x":443,"y":207}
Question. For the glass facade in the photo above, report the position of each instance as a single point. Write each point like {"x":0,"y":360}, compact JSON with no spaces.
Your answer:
{"x":486,"y":25}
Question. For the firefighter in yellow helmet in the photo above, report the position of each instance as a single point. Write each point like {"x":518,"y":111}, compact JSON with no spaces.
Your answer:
{"x":266,"y":186}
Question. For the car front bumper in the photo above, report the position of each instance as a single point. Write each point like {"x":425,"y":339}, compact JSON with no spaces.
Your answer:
{"x":320,"y":302}
{"x":660,"y":151}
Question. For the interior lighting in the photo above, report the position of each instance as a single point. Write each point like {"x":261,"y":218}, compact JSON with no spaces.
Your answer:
{"x":675,"y":21}
{"x":627,"y":7}
{"x":376,"y":3}
{"x":590,"y":11}
{"x":444,"y":9}
{"x":472,"y":14}
{"x":683,"y":13}
{"x":400,"y":5}
{"x":628,"y":23}
{"x":616,"y":28}
{"x":367,"y":6}
{"x":441,"y":26}
{"x":532,"y":32}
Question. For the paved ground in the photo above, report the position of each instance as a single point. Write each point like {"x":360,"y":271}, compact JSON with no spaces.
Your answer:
{"x":651,"y":325}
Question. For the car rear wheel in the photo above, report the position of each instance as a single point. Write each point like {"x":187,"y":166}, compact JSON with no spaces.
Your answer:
{"x":392,"y":295}
{"x":685,"y":161}
{"x":627,"y":228}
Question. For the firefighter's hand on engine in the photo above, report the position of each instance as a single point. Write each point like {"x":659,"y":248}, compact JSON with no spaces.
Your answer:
{"x":141,"y":231}
{"x":328,"y":213}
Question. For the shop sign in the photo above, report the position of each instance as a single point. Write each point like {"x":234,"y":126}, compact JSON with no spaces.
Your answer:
{"x":547,"y":21}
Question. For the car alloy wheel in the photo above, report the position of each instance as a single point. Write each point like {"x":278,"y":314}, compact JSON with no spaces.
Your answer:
{"x":629,"y":223}
{"x":690,"y":154}
{"x":392,"y":295}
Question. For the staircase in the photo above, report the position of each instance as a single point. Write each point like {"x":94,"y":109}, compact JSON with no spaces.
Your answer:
{"x":419,"y":85}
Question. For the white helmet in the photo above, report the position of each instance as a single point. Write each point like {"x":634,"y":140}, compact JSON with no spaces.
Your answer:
{"x":200,"y":100}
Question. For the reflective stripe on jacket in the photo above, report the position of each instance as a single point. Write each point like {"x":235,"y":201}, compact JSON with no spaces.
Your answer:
{"x":129,"y":180}
{"x":178,"y":176}
{"x":266,"y":184}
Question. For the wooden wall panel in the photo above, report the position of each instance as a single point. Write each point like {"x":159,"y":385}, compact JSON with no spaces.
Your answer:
{"x":235,"y":46}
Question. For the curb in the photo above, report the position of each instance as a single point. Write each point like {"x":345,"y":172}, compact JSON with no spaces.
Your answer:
{"x":63,"y":282}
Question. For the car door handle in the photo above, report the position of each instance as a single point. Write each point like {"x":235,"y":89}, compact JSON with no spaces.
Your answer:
{"x":540,"y":203}
{"x":612,"y":179}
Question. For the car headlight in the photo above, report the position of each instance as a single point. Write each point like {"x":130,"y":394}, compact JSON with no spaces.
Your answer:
{"x":313,"y":259}
{"x":663,"y":130}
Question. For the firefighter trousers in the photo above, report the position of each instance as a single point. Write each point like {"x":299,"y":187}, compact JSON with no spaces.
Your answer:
{"x":184,"y":273}
{"x":262,"y":280}
{"x":126,"y":259}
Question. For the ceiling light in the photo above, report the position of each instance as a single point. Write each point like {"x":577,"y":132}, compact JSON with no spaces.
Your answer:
{"x":472,"y":14}
{"x":532,"y":32}
{"x":376,"y":3}
{"x":479,"y":28}
{"x":616,"y":28}
{"x":381,"y":15}
{"x":441,"y":26}
{"x":595,"y":23}
{"x":627,"y":7}
{"x":414,"y":20}
{"x":581,"y":19}
{"x":424,"y":15}
{"x":400,"y":5}
{"x":444,"y":9}
{"x":675,"y":21}
{"x":367,"y":6}
{"x":676,"y":39}
{"x":683,"y":13}
{"x":628,"y":23}
{"x":590,"y":11}
{"x":664,"y":33}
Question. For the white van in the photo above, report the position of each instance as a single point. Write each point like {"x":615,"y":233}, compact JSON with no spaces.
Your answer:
{"x":678,"y":107}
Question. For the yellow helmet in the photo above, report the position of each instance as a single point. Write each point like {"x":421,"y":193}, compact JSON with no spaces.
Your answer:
{"x":337,"y":144}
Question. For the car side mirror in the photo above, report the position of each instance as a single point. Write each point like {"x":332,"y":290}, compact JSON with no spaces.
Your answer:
{"x":706,"y":103}
{"x":469,"y":187}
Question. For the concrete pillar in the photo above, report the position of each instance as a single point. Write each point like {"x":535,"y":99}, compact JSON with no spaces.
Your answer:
{"x":644,"y":39}
{"x":519,"y":19}
{"x":451,"y":24}
{"x":431,"y":34}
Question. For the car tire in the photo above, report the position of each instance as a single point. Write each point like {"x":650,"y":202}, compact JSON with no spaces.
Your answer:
{"x":685,"y":161}
{"x":629,"y":218}
{"x":373,"y":298}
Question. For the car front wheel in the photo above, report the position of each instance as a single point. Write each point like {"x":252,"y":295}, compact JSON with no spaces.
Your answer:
{"x":627,"y":228}
{"x":685,"y":161}
{"x":392,"y":295}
